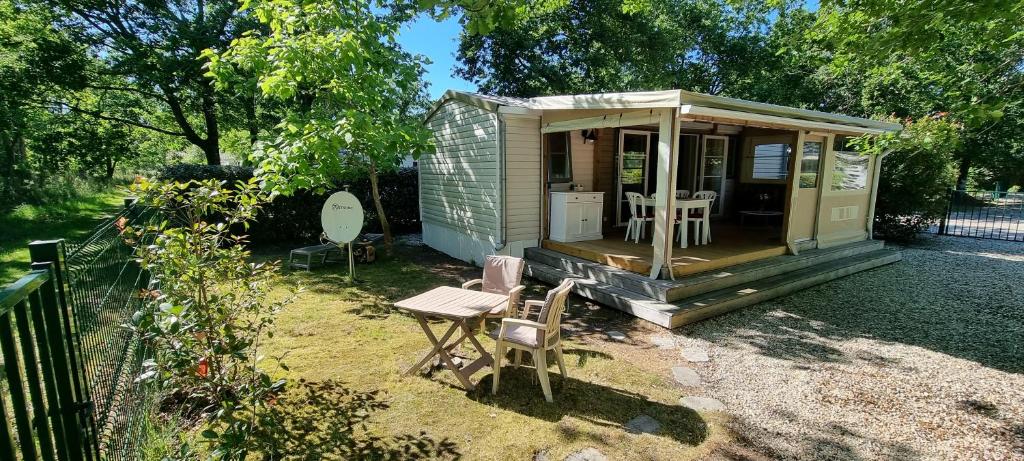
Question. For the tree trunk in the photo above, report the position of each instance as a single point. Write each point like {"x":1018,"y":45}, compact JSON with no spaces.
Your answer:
{"x":212,"y":145}
{"x":253,"y":125}
{"x":384,"y":225}
{"x":110,"y":167}
{"x":964,"y":170}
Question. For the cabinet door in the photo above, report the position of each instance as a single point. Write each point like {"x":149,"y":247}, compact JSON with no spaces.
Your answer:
{"x":591,"y":218}
{"x":574,"y":219}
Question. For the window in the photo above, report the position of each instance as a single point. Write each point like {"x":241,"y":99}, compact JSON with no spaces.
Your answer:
{"x":809,"y":164}
{"x":771,"y":161}
{"x":851,"y":168}
{"x":559,"y":158}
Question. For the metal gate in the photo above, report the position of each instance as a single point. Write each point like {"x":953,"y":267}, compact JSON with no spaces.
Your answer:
{"x":984,"y":214}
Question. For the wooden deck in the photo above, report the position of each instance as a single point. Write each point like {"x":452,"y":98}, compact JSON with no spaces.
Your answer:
{"x":731,"y":245}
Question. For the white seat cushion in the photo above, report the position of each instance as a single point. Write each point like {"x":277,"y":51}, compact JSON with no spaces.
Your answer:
{"x":519,"y":334}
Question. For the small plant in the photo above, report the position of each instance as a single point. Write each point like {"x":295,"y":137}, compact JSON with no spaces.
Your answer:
{"x":210,"y":308}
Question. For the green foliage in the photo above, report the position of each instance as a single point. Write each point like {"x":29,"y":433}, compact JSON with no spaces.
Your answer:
{"x":344,"y":81}
{"x":296,"y":218}
{"x":211,"y":308}
{"x":916,"y":176}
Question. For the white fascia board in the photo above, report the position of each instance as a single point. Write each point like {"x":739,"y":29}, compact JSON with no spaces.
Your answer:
{"x":688,"y":111}
{"x":635,"y":100}
{"x":519,"y":111}
{"x":643,"y":117}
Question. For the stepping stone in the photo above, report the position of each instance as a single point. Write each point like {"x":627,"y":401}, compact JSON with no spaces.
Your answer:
{"x":616,"y":335}
{"x":643,"y":424}
{"x":694,"y":354}
{"x":587,"y":454}
{"x":663,"y":341}
{"x":541,"y":456}
{"x":686,"y":376}
{"x":702,"y":403}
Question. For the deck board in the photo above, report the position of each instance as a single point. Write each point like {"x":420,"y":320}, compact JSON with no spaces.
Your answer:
{"x":731,"y":245}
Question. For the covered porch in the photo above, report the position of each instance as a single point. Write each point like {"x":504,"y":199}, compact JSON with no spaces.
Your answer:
{"x":766,"y":167}
{"x":732,"y":245}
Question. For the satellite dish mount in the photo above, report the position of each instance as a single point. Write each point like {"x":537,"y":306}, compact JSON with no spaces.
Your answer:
{"x":342,"y":220}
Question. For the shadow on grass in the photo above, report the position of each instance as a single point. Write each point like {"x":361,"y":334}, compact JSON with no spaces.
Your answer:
{"x":596,"y":404}
{"x":326,"y":420}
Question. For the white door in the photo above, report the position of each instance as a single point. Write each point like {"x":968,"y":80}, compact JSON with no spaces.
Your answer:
{"x":633,"y":148}
{"x":712,"y":169}
{"x":574,"y":216}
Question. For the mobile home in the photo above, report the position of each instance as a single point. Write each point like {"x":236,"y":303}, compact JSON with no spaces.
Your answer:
{"x":671,"y":205}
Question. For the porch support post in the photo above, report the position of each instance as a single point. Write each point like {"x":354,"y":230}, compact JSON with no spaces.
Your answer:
{"x":793,"y":190}
{"x":665,"y":205}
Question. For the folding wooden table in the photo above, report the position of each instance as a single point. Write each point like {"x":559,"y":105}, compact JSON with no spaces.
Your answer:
{"x":463,"y":308}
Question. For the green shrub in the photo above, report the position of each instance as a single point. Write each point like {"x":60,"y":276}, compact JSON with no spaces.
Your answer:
{"x":210,"y":309}
{"x":915,"y":179}
{"x":296,"y":218}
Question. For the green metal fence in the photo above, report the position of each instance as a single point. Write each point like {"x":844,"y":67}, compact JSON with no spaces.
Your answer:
{"x":68,"y":389}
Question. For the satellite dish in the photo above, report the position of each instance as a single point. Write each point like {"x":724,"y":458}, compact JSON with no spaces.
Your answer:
{"x":342,"y":217}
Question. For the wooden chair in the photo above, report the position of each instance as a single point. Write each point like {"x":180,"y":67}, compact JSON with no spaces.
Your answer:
{"x":638,"y":216}
{"x":534,"y":336}
{"x":502,"y":275}
{"x":700,"y":222}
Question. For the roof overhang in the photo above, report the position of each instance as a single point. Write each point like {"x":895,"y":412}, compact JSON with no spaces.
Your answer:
{"x":692,"y":106}
{"x":732,"y":117}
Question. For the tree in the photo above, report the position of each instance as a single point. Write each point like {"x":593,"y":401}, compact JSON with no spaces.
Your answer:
{"x":35,"y":59}
{"x":345,"y":87}
{"x":152,"y":47}
{"x":960,"y":58}
{"x":585,"y":46}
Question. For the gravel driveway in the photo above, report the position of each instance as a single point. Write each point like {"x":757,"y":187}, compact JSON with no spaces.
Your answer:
{"x":922,"y":359}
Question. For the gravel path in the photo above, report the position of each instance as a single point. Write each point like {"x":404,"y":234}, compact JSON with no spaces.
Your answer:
{"x":923,"y":359}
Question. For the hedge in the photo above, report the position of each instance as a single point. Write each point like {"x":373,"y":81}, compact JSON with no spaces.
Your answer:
{"x":296,"y":218}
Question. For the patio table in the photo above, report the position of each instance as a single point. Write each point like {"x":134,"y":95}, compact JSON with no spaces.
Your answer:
{"x":685,"y":205}
{"x":463,"y":308}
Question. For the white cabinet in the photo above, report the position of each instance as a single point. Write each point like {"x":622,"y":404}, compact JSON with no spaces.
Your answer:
{"x":576,"y":216}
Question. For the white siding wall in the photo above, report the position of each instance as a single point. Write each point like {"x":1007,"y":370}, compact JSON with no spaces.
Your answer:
{"x":459,"y":199}
{"x":523,"y":187}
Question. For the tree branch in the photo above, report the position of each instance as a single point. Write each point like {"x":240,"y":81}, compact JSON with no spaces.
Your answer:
{"x":102,"y":116}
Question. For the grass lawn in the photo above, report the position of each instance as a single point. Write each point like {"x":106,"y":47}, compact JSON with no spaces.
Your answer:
{"x":354,"y":345}
{"x":66,"y":219}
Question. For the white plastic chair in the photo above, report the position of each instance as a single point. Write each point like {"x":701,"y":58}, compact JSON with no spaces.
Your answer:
{"x":682,"y":194}
{"x":638,"y":216}
{"x":502,"y":275}
{"x":536,"y":337}
{"x":701,"y":223}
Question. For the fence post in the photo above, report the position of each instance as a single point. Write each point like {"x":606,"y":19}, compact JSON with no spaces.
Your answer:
{"x":949,"y":209}
{"x":49,"y":254}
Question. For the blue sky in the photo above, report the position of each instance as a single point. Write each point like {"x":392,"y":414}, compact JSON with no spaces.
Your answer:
{"x":438,"y":41}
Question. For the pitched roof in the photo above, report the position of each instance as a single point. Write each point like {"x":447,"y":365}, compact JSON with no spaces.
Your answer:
{"x":687,"y":100}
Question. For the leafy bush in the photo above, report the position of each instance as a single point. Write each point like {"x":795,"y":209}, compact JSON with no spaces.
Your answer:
{"x":296,"y":218}
{"x":915,"y":178}
{"x":211,"y":309}
{"x":185,"y":172}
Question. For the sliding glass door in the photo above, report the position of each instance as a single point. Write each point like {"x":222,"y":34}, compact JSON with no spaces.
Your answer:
{"x":633,"y":169}
{"x":712,"y":169}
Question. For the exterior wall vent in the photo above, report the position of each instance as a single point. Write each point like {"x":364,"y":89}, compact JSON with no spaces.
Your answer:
{"x":844,"y":213}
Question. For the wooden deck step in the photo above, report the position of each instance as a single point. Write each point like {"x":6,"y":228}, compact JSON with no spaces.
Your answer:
{"x":684,"y":287}
{"x":717,"y":302}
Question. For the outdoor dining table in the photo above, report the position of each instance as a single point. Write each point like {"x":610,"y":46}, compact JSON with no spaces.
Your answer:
{"x":463,"y":308}
{"x":685,"y":205}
